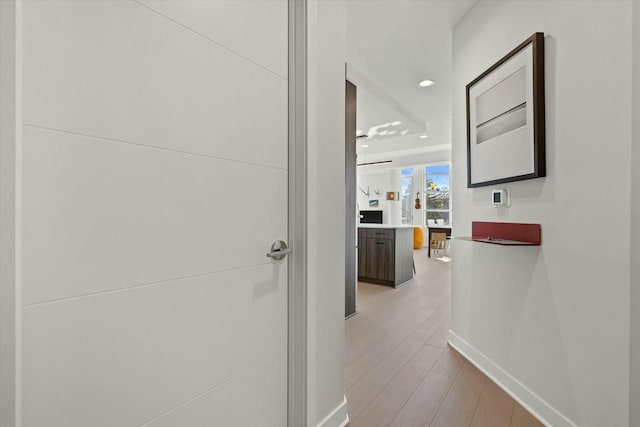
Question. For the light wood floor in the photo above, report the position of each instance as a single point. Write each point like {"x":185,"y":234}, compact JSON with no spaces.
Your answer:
{"x":399,"y":369}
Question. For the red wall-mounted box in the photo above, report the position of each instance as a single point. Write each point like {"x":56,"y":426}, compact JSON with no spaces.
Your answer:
{"x":506,"y":233}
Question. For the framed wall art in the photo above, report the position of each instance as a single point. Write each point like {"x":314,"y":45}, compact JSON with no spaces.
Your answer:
{"x":505,"y":118}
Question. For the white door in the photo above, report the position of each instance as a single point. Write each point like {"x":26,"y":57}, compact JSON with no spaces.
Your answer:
{"x":154,"y":182}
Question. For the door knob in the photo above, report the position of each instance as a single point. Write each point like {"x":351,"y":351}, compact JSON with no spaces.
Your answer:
{"x":279,"y":250}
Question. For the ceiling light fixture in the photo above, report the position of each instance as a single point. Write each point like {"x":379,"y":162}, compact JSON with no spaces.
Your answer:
{"x":424,"y":136}
{"x":364,"y":145}
{"x":426,"y":83}
{"x":375,"y":163}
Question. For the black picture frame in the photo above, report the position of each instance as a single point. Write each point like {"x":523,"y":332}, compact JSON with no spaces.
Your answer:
{"x":506,"y":118}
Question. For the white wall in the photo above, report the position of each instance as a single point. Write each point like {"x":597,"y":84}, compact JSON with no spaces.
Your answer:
{"x":395,"y":206}
{"x":326,"y":85}
{"x":552,"y":322}
{"x":634,"y":398}
{"x":380,"y":181}
{"x":430,"y":157}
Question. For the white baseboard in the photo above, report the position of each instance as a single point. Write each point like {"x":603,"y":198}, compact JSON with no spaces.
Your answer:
{"x":338,"y":417}
{"x":539,"y":408}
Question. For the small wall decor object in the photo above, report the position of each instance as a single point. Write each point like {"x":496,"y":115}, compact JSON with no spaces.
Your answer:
{"x":374,"y":203}
{"x":505,"y":118}
{"x":393,"y":195}
{"x":418,"y":203}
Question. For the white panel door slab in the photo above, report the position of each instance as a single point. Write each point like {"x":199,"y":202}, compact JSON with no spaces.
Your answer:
{"x":154,"y":182}
{"x":129,"y":73}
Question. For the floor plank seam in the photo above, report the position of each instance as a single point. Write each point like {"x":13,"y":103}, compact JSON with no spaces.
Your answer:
{"x":475,"y":408}
{"x":444,"y":396}
{"x":402,"y":341}
{"x":394,"y":348}
{"x":513,"y":409}
{"x":387,"y":383}
{"x":414,"y":392}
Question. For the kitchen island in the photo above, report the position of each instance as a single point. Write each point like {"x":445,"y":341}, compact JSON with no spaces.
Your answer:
{"x":385,"y":254}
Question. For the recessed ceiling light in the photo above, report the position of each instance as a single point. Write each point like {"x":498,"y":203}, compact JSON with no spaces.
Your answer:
{"x":364,"y":145}
{"x":426,"y":83}
{"x":424,"y":136}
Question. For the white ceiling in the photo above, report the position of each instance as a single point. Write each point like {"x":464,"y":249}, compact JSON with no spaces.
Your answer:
{"x":391,"y":46}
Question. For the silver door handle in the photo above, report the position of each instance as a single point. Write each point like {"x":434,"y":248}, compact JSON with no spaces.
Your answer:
{"x":279,"y":250}
{"x":279,"y":254}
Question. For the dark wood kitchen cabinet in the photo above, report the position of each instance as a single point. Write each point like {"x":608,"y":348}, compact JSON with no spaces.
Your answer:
{"x":385,"y":255}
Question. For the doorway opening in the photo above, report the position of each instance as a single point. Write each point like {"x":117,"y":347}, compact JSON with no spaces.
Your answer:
{"x":399,"y":368}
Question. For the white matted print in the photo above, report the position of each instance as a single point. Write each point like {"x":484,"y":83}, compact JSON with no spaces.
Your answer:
{"x":505,"y":118}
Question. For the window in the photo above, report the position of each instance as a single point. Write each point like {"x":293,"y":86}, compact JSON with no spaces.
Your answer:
{"x":407,"y":196}
{"x":437,"y":193}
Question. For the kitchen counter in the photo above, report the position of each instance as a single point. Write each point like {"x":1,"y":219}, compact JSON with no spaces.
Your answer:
{"x":385,"y":254}
{"x":384,"y":226}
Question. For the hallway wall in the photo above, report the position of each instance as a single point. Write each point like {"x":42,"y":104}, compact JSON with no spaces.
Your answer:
{"x":551,"y":323}
{"x":326,"y":207}
{"x":634,"y":397}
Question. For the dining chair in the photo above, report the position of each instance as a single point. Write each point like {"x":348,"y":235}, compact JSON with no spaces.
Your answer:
{"x":438,"y":241}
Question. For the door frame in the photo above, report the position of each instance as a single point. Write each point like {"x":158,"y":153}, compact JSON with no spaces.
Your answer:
{"x":297,"y":210}
{"x":10,"y":212}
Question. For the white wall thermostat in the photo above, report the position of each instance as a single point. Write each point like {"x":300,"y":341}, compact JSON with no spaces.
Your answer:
{"x":500,"y":198}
